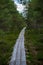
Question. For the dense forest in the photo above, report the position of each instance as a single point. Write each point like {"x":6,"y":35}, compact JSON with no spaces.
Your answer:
{"x":11,"y":23}
{"x":34,"y":32}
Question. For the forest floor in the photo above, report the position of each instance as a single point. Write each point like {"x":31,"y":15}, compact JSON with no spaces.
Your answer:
{"x":34,"y":46}
{"x":7,"y":41}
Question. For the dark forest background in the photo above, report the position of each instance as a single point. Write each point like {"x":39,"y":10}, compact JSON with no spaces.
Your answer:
{"x":11,"y":23}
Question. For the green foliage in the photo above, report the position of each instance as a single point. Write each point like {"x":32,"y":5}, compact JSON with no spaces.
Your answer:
{"x":11,"y":23}
{"x":35,"y":15}
{"x":34,"y":43}
{"x":34,"y":32}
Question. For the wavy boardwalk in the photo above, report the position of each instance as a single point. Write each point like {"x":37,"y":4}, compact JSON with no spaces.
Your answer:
{"x":18,"y":55}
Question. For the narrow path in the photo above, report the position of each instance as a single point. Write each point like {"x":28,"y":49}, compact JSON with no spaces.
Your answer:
{"x":18,"y":56}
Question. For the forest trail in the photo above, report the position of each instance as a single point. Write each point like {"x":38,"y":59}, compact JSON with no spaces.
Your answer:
{"x":18,"y":56}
